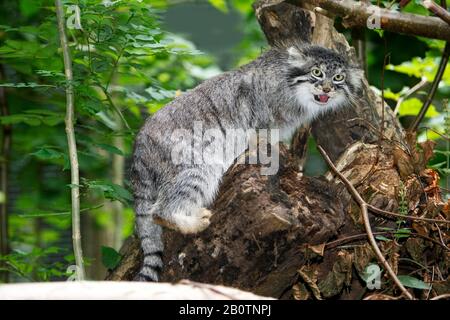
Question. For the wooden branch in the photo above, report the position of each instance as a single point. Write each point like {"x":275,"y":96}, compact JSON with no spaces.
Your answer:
{"x":434,"y":87}
{"x":356,"y":14}
{"x":112,"y":290}
{"x":71,"y":141}
{"x":365,"y":215}
{"x":412,"y":90}
{"x":296,"y":27}
{"x":397,"y":215}
{"x":403,"y":3}
{"x":437,"y":10}
{"x":442,"y":296}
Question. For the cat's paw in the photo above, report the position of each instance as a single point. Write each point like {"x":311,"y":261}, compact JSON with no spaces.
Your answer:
{"x":195,"y":223}
{"x":198,"y":221}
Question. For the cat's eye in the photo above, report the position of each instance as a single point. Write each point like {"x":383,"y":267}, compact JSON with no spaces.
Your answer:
{"x":317,"y":73}
{"x":339,"y":77}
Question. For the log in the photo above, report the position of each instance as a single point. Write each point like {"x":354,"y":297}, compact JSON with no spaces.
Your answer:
{"x":255,"y":234}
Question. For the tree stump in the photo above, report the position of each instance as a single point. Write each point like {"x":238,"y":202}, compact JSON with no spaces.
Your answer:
{"x":254,"y":240}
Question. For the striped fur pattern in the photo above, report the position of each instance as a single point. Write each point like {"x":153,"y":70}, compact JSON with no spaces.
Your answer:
{"x":281,"y":89}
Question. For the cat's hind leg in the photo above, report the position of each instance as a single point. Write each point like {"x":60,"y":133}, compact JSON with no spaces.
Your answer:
{"x":183,"y":203}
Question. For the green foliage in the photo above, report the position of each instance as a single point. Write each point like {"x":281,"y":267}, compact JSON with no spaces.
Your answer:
{"x":110,"y":190}
{"x":32,"y":265}
{"x":412,"y":282}
{"x":421,"y":67}
{"x":110,"y":257}
{"x":412,"y":106}
{"x":219,"y":4}
{"x":125,"y":67}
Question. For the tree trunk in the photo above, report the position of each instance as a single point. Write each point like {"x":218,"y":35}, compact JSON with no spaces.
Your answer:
{"x":271,"y":235}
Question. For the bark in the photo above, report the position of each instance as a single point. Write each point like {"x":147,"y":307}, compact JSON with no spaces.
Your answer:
{"x":254,"y":238}
{"x":276,"y":236}
{"x":437,"y":10}
{"x":357,"y":14}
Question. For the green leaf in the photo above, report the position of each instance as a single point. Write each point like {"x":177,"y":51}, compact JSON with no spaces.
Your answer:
{"x":412,"y":106}
{"x":110,"y":148}
{"x":47,"y":154}
{"x":110,"y":257}
{"x":122,"y":193}
{"x":110,"y":190}
{"x":219,"y":4}
{"x":25,"y":85}
{"x":29,"y":7}
{"x":389,"y":94}
{"x":421,"y":67}
{"x":412,"y":282}
{"x":380,"y":32}
{"x":382,"y":238}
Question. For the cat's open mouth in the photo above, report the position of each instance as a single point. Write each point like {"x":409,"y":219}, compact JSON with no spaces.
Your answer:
{"x":321,"y":98}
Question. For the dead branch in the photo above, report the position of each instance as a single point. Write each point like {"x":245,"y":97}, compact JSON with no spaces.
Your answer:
{"x":398,"y":215}
{"x":434,"y":87}
{"x":362,"y":203}
{"x":437,"y":10}
{"x":442,"y":296}
{"x":356,"y":14}
{"x":412,"y":90}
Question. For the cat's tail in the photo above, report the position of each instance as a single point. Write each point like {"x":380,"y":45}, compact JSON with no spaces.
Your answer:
{"x":150,"y":236}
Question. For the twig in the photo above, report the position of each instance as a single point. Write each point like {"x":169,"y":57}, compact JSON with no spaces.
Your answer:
{"x":398,"y":215}
{"x":440,"y":237}
{"x":443,"y":136}
{"x":116,"y":109}
{"x":367,"y":226}
{"x":437,"y":10}
{"x":403,"y":3}
{"x":442,"y":296}
{"x":337,"y":242}
{"x":356,"y":14}
{"x":419,"y":85}
{"x":434,"y":86}
{"x":71,"y":141}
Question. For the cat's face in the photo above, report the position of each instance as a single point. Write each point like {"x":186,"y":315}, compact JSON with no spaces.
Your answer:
{"x":322,"y":79}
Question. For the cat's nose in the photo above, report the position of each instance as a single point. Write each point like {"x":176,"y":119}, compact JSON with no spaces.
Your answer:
{"x":326,"y":89}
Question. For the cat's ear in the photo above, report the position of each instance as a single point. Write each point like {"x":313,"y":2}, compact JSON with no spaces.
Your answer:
{"x":356,"y":77}
{"x":295,"y":53}
{"x":297,"y":58}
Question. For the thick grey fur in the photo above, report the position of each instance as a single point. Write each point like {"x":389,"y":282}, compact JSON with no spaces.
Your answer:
{"x":274,"y":91}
